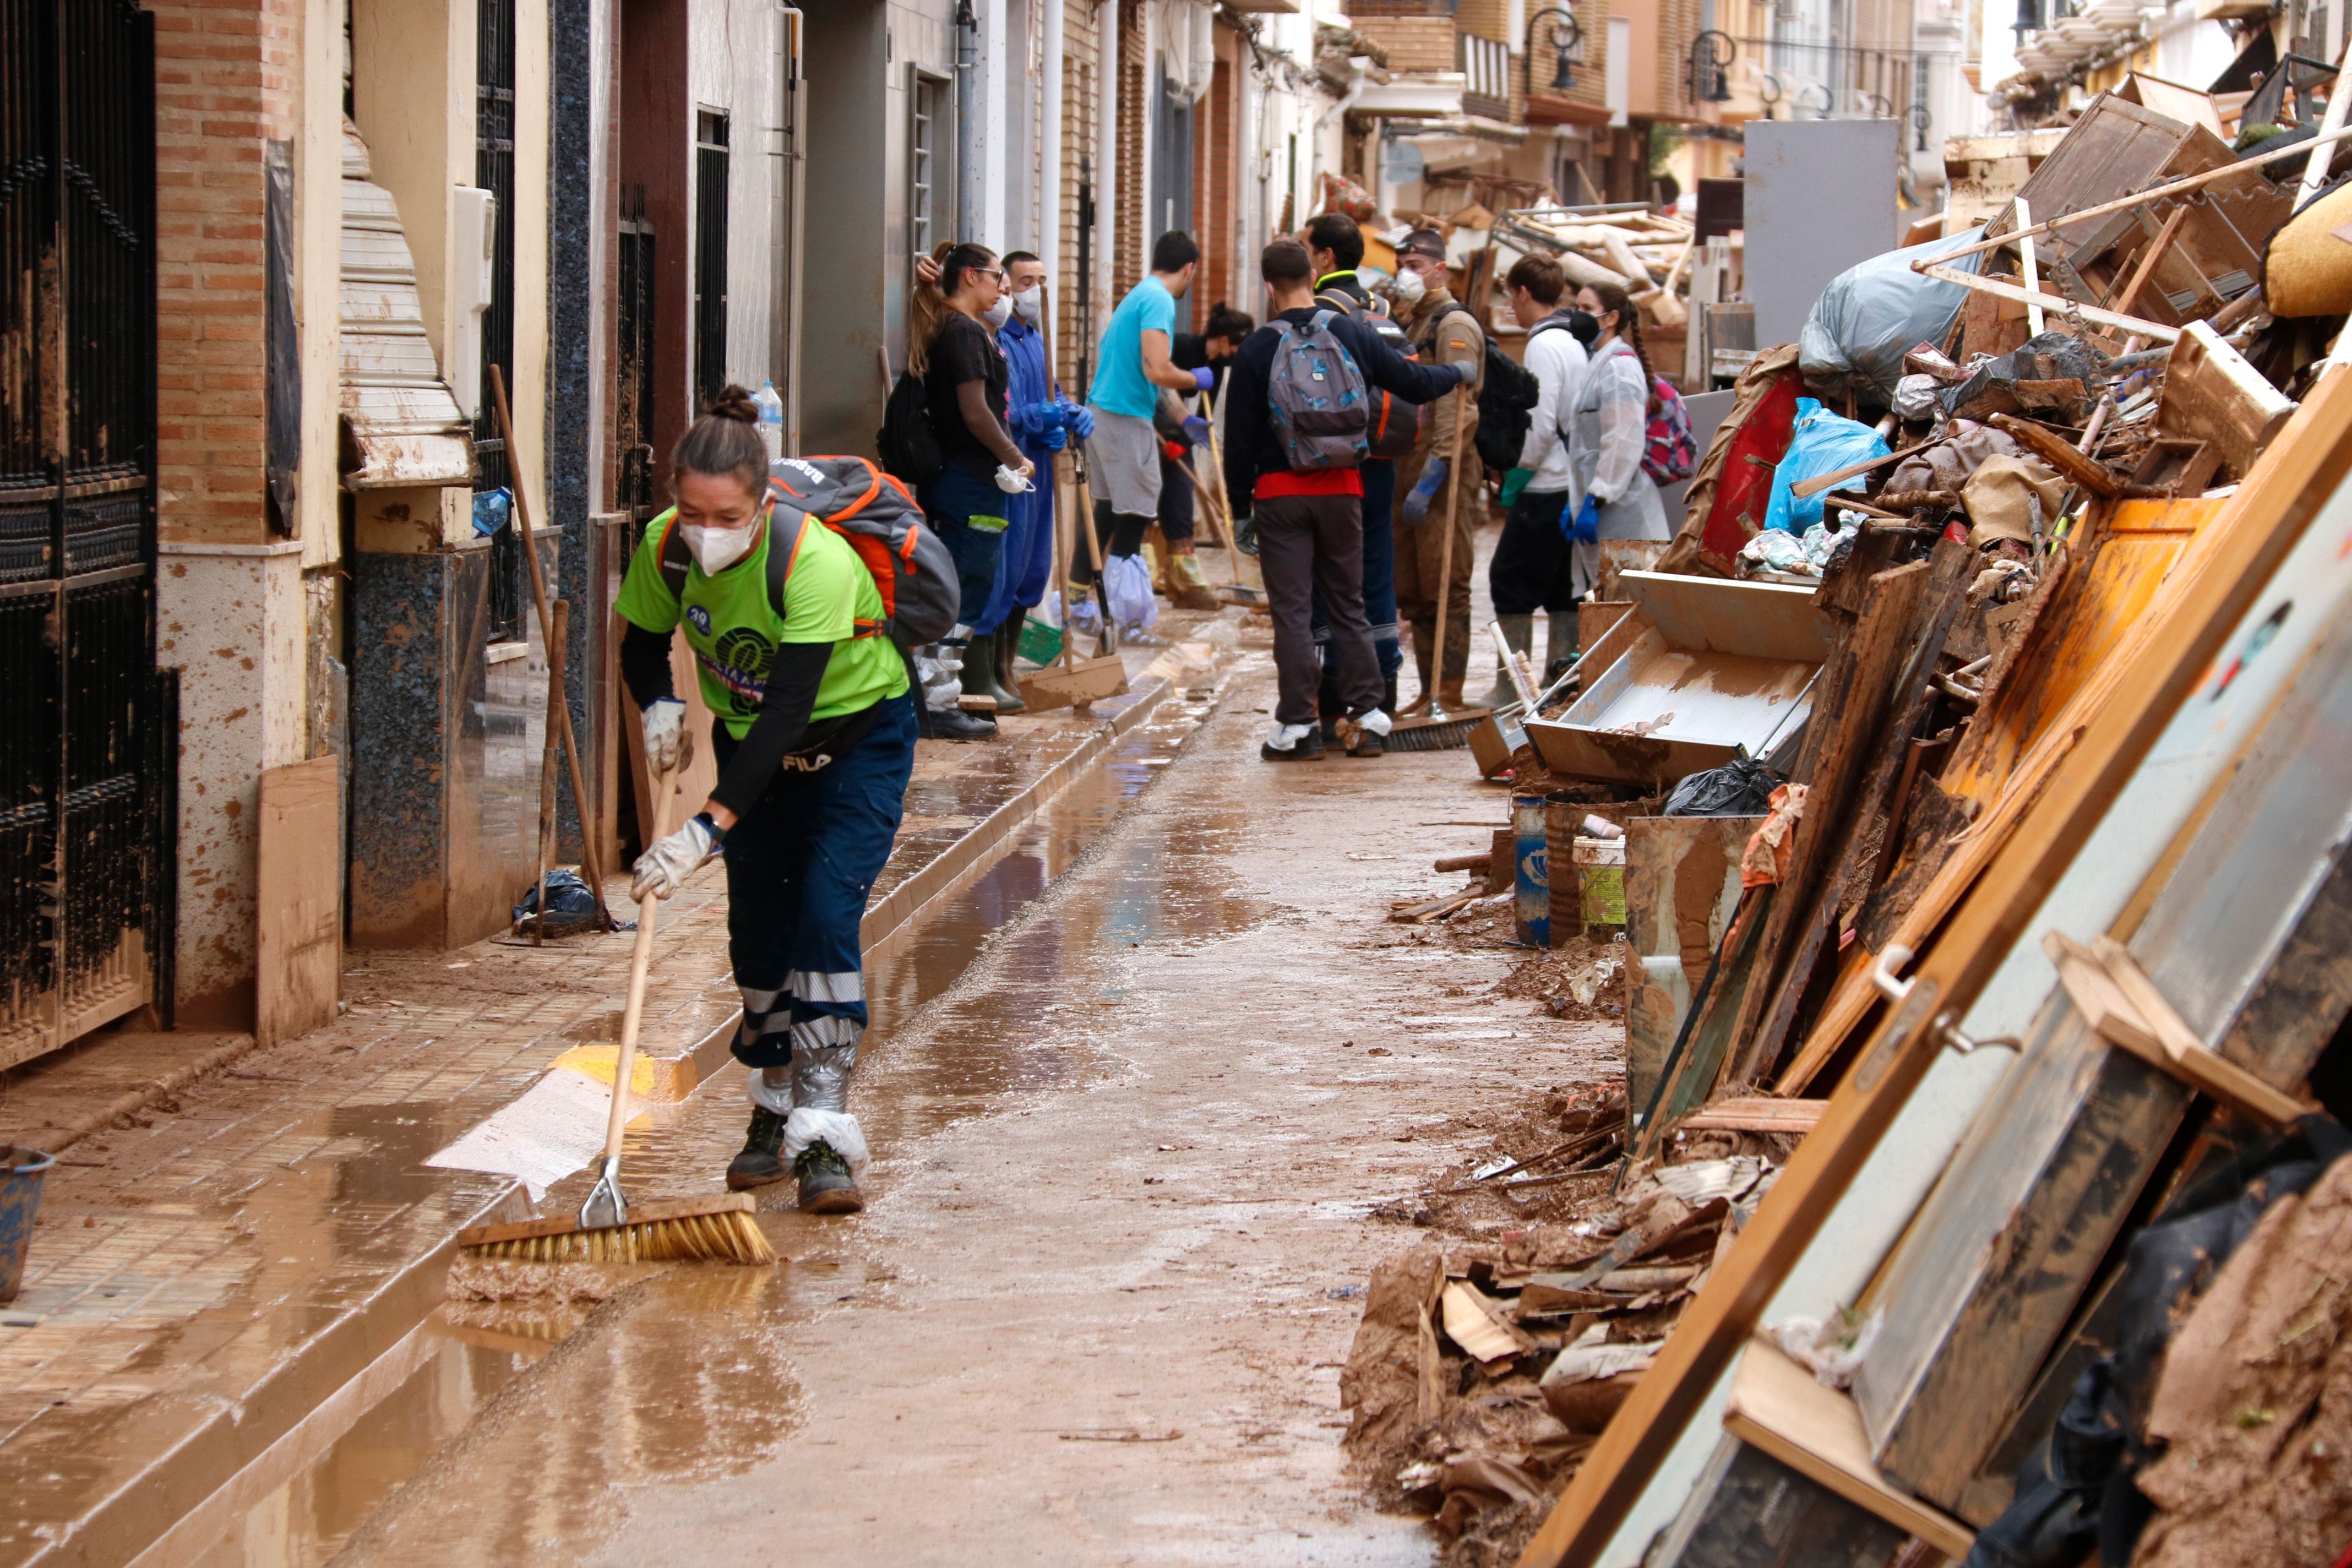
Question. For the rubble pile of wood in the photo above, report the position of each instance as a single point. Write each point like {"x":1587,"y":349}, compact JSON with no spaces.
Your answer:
{"x":2030,"y":945}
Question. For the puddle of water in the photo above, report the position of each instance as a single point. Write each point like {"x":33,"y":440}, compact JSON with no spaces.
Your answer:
{"x":704,"y":1392}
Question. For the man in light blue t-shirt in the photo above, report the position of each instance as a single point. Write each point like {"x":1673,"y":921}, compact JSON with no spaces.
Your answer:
{"x":1133,"y":369}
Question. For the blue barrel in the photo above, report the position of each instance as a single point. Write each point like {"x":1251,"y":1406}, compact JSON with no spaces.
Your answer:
{"x":21,"y":1171}
{"x":1531,"y":884}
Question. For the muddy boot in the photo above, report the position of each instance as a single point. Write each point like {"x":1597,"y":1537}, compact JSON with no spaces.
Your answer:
{"x":762,"y":1161}
{"x":1519,"y":631}
{"x":1367,"y":735}
{"x":1188,"y":584}
{"x":1008,"y":683}
{"x":979,"y":666}
{"x":1560,"y":644}
{"x":825,"y":1184}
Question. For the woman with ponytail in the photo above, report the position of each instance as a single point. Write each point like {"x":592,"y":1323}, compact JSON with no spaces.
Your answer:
{"x":814,"y":739}
{"x":1608,"y":432}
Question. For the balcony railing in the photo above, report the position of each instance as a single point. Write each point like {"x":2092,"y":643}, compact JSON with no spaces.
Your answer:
{"x":1486,"y":66}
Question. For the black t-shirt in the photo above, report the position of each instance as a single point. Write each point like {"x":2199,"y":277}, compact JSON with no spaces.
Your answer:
{"x":964,"y":351}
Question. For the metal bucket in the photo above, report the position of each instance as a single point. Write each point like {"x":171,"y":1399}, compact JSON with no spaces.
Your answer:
{"x":1531,"y":881}
{"x":21,"y":1171}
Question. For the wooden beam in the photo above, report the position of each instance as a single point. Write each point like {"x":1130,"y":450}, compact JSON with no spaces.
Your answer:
{"x":2091,"y":313}
{"x":2148,"y":259}
{"x":1821,"y":482}
{"x":1754,"y":1114}
{"x":2086,"y":473}
{"x":2217,"y":582}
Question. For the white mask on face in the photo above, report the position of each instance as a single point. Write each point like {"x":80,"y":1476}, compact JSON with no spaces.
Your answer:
{"x":1409,"y":287}
{"x":1030,"y":303}
{"x":716,"y":549}
{"x":996,"y":315}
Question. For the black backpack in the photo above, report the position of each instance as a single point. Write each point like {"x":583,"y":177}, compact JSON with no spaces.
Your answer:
{"x":1506,"y":409}
{"x":910,"y":447}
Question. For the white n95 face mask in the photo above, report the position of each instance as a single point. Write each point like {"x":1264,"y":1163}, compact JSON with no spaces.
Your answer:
{"x":996,"y":315}
{"x":1030,"y":303}
{"x":1408,"y":287}
{"x":716,"y":549}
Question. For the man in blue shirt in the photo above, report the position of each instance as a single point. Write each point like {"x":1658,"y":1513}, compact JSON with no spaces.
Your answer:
{"x":1042,"y":422}
{"x":1132,"y":366}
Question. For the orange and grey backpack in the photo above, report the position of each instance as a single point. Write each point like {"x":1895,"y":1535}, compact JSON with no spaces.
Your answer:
{"x":870,"y":509}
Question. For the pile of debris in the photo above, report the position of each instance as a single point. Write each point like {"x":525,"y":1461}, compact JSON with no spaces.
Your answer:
{"x":2012,"y":555}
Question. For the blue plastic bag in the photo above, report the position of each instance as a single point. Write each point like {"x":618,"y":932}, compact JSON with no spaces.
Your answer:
{"x":1821,"y":442}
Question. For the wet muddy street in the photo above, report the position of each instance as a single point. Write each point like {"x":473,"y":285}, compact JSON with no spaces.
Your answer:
{"x":1132,"y":1106}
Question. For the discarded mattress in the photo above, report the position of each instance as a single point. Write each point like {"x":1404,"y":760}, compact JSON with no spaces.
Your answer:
{"x":1725,"y":666}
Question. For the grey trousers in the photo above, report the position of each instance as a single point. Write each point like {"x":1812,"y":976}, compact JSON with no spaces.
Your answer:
{"x":1304,"y":543}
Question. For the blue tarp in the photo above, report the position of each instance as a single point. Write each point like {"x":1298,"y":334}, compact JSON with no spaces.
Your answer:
{"x":1821,"y":442}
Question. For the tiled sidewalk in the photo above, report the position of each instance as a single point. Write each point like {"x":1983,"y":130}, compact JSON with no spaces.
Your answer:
{"x":201,"y":1279}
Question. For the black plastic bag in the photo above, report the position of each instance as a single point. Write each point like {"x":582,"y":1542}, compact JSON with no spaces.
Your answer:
{"x":570,"y":905}
{"x":1741,"y":787}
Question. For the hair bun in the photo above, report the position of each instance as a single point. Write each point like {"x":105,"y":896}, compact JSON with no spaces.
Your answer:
{"x":733,"y":404}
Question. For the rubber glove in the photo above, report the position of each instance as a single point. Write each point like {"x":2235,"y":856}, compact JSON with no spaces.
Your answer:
{"x":1514,"y":482}
{"x":1196,"y":430}
{"x":1415,"y":509}
{"x":1584,"y":527}
{"x":1204,"y":379}
{"x":664,"y":869}
{"x":1078,"y":420}
{"x":1246,"y":534}
{"x":665,"y":720}
{"x":1056,"y":439}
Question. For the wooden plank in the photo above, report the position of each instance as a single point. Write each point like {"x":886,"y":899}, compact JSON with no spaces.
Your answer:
{"x":2072,"y":465}
{"x":1780,"y":1407}
{"x":1857,"y":691}
{"x":1754,"y":1114}
{"x":2219,"y":581}
{"x":299,"y":899}
{"x":2121,"y":1005}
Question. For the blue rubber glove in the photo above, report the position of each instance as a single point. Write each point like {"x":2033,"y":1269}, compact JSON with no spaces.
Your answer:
{"x":1416,"y":501}
{"x":1032,"y":420}
{"x":1056,"y":439}
{"x":1204,"y":379}
{"x":1196,"y":430}
{"x":1077,"y":419}
{"x":1584,"y":526}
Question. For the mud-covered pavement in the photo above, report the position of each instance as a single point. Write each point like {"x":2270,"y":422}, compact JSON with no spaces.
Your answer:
{"x":1120,"y":1219}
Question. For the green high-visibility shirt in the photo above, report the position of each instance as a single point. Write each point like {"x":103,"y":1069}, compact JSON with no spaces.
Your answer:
{"x":734,"y":631}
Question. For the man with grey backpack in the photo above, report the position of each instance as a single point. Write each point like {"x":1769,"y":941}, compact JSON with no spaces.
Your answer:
{"x":1298,"y":411}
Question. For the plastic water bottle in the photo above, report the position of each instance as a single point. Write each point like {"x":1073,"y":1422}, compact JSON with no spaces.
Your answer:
{"x":771,"y":418}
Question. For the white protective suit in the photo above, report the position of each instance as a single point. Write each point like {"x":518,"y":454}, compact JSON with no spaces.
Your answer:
{"x":1607,"y":434}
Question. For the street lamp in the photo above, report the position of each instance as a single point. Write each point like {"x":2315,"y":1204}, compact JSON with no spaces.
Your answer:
{"x":1567,"y":44}
{"x":1711,"y":54}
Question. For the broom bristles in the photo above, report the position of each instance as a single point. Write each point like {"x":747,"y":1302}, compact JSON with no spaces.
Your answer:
{"x":1442,"y":736}
{"x":733,"y":1236}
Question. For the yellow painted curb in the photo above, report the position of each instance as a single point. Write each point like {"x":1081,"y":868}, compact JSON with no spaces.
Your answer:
{"x":657,"y":1081}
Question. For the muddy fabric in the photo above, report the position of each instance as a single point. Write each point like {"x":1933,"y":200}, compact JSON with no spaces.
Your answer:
{"x":1947,"y":465}
{"x":2256,"y":1400}
{"x":2003,"y":495}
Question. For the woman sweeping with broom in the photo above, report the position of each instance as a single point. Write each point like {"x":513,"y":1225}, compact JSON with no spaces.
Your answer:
{"x":815,"y":739}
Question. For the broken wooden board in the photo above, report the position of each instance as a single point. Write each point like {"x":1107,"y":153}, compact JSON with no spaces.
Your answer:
{"x":2213,"y":394}
{"x":299,"y":899}
{"x":1682,"y":887}
{"x":1754,"y":1114}
{"x":1475,"y":1324}
{"x":2118,"y":1016}
{"x":1780,"y":1407}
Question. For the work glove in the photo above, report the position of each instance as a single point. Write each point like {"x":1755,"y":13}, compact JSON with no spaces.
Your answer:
{"x":1514,"y":482}
{"x":664,"y":869}
{"x":1078,"y":420}
{"x":1196,"y":430}
{"x":1056,"y":438}
{"x":1583,"y":527}
{"x":1204,"y":379}
{"x":1468,"y":372}
{"x":1246,"y":534}
{"x":1417,"y":499}
{"x":664,"y":722}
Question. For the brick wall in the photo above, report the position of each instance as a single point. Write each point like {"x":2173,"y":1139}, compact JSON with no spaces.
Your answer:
{"x":1414,"y":42}
{"x":1128,"y":184}
{"x":1081,"y":143}
{"x":225,"y":82}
